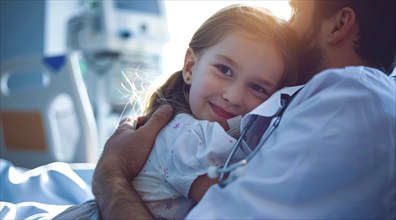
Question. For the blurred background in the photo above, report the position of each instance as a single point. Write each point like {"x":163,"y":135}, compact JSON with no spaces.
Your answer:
{"x":69,"y":68}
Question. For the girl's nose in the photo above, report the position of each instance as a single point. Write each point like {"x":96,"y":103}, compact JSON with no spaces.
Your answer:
{"x":233,"y":94}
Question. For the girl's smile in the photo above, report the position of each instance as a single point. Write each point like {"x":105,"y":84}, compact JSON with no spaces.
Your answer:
{"x":221,"y":112}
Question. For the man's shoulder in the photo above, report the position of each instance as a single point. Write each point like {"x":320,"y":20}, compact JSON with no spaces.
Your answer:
{"x":353,"y":78}
{"x":350,"y":89}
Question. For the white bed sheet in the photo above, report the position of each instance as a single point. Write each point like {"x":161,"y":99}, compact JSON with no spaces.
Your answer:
{"x":43,"y":192}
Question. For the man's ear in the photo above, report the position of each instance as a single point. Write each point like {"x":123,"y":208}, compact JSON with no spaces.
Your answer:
{"x":342,"y":25}
{"x":189,"y":63}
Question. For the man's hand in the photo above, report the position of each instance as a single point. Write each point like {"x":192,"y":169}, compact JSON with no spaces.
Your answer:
{"x":123,"y":157}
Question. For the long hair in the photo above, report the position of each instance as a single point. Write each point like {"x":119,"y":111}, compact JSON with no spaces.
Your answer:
{"x":257,"y":23}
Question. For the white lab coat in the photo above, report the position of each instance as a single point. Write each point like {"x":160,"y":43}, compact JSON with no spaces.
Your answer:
{"x":332,"y":156}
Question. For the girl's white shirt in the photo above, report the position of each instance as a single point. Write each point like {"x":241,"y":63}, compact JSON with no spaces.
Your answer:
{"x":184,"y":150}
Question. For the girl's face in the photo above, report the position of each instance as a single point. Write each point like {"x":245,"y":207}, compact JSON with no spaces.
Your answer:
{"x":232,"y":77}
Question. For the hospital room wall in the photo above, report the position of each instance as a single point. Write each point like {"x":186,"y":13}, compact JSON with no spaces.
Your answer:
{"x":22,"y":28}
{"x":34,"y":27}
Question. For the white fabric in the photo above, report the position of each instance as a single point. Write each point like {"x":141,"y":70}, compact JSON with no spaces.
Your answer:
{"x":332,"y":156}
{"x":183,"y":150}
{"x":43,"y":192}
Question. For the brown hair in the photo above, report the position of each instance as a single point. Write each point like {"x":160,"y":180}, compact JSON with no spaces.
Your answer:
{"x":258,"y":23}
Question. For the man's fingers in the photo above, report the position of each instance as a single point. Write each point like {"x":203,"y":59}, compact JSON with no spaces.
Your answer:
{"x":158,"y":119}
{"x":129,"y":121}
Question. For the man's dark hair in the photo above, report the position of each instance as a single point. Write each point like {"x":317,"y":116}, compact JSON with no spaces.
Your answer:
{"x":377,"y":26}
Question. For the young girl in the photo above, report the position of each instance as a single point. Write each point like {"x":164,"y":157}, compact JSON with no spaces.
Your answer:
{"x":234,"y":62}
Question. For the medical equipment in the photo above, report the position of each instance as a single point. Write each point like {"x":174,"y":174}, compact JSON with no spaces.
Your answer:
{"x":125,"y":26}
{"x":117,"y":36}
{"x":118,"y":39}
{"x":225,"y":172}
{"x":48,"y":117}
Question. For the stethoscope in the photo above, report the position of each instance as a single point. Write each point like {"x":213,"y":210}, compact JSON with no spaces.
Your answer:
{"x":229,"y":172}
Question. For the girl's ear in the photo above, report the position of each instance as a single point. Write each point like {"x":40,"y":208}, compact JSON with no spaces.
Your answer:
{"x":189,"y":63}
{"x":343,"y":25}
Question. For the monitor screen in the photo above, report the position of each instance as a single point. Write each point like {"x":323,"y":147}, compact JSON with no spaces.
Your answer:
{"x":151,"y":6}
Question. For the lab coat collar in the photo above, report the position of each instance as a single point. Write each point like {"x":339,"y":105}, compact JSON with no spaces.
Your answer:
{"x":272,"y":105}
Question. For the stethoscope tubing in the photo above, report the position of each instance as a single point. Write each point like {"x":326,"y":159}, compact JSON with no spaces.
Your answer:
{"x":228,"y":168}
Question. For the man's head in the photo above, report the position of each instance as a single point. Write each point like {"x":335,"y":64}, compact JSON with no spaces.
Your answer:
{"x":341,"y":33}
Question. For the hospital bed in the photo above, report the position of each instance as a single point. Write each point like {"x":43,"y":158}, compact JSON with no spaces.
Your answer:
{"x":46,"y":115}
{"x":47,"y":123}
{"x":49,"y":137}
{"x":45,"y":191}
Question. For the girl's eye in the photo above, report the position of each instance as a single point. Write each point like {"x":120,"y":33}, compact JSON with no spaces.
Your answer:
{"x":224,"y":69}
{"x":258,"y":88}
